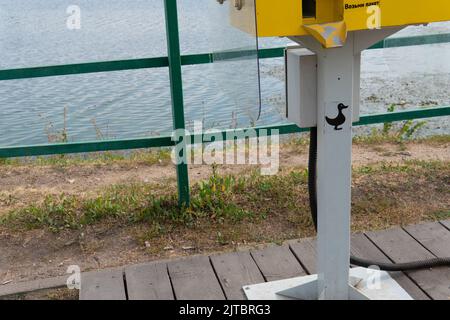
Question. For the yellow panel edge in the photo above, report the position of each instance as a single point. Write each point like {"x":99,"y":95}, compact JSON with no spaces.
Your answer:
{"x":285,"y":17}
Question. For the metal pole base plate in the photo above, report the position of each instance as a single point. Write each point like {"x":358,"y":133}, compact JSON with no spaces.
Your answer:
{"x":364,"y":284}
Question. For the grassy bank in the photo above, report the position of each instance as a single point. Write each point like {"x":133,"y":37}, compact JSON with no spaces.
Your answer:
{"x":383,"y":195}
{"x":106,"y":210}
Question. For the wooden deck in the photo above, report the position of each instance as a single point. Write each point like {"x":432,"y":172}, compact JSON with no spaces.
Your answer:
{"x":222,"y":276}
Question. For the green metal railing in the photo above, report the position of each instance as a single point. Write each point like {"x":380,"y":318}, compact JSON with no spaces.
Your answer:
{"x":174,"y":61}
{"x":186,"y":60}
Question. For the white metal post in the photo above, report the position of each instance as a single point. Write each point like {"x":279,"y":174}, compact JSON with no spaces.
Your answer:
{"x":338,"y":77}
{"x":334,"y":147}
{"x":338,"y":81}
{"x":335,"y":84}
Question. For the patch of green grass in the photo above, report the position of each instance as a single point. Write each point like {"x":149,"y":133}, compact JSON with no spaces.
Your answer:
{"x":225,"y":201}
{"x":9,"y":161}
{"x":376,"y":137}
{"x":219,"y":199}
{"x":221,"y":239}
{"x":433,"y":165}
{"x":442,"y":215}
{"x":212,"y":199}
{"x":298,"y":142}
{"x":437,"y":139}
{"x":154,"y":230}
{"x":408,"y":166}
{"x":55,"y":213}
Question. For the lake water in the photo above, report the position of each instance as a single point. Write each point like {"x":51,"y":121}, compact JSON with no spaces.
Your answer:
{"x":132,"y":104}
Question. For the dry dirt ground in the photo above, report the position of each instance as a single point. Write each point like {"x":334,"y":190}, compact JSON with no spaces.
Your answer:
{"x":36,"y":254}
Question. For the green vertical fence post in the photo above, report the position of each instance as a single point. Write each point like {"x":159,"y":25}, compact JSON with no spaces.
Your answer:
{"x":176,"y":88}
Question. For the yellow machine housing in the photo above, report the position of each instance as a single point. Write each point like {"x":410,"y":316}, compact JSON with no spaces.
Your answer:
{"x":289,"y":17}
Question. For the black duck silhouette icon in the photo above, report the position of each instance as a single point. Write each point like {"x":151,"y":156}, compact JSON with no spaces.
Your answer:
{"x":340,"y":119}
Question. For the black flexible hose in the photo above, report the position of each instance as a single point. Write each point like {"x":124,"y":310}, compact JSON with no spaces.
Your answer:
{"x":425,"y":264}
{"x":312,"y":175}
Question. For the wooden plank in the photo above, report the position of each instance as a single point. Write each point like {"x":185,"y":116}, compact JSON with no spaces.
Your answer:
{"x":399,"y":246}
{"x":234,"y":271}
{"x":433,"y":236}
{"x":277,"y":262}
{"x":194,"y":279}
{"x":446,"y":223}
{"x":305,"y":252}
{"x":148,"y":282}
{"x":33,"y":285}
{"x":362,"y":247}
{"x":103,"y":285}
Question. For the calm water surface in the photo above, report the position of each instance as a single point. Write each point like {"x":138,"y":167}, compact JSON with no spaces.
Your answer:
{"x":137,"y":103}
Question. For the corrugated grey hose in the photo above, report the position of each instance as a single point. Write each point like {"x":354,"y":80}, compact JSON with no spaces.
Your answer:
{"x":312,"y":170}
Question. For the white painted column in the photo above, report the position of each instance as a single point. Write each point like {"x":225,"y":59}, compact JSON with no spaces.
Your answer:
{"x":335,"y":86}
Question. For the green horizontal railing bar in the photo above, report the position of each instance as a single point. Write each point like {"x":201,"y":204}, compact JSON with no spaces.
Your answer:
{"x":404,"y":115}
{"x":166,"y":141}
{"x":193,"y":59}
{"x":82,"y":68}
{"x":271,"y":53}
{"x":412,"y":41}
{"x":89,"y":146}
{"x":94,"y":67}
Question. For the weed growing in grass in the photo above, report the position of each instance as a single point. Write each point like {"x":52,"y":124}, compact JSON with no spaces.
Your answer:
{"x":387,"y":126}
{"x":214,"y":198}
{"x":406,"y":130}
{"x":54,"y":135}
{"x":392,"y":133}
